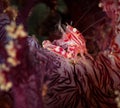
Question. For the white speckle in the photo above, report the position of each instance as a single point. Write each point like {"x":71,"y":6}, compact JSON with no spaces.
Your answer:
{"x":57,"y":49}
{"x":67,"y":27}
{"x":63,"y":53}
{"x":100,"y":5}
{"x":74,"y":29}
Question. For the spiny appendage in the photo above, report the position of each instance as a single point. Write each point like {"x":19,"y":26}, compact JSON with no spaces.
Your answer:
{"x":74,"y":41}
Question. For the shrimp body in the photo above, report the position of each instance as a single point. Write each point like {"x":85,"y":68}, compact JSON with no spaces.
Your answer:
{"x":72,"y":39}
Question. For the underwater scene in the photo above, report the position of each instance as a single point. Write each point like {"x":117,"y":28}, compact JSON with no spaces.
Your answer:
{"x":59,"y":54}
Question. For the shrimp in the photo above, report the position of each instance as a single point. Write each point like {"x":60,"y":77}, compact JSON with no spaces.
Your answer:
{"x":74,"y":41}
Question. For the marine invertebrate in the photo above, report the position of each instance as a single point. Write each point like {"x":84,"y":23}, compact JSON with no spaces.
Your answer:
{"x":71,"y":44}
{"x":89,"y":82}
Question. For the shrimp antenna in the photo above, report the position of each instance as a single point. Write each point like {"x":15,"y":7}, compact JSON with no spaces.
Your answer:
{"x":93,"y":24}
{"x":71,"y":23}
{"x":84,"y":14}
{"x":60,"y":27}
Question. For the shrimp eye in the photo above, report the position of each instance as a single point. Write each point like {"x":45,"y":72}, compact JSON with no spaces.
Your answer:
{"x":74,"y":30}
